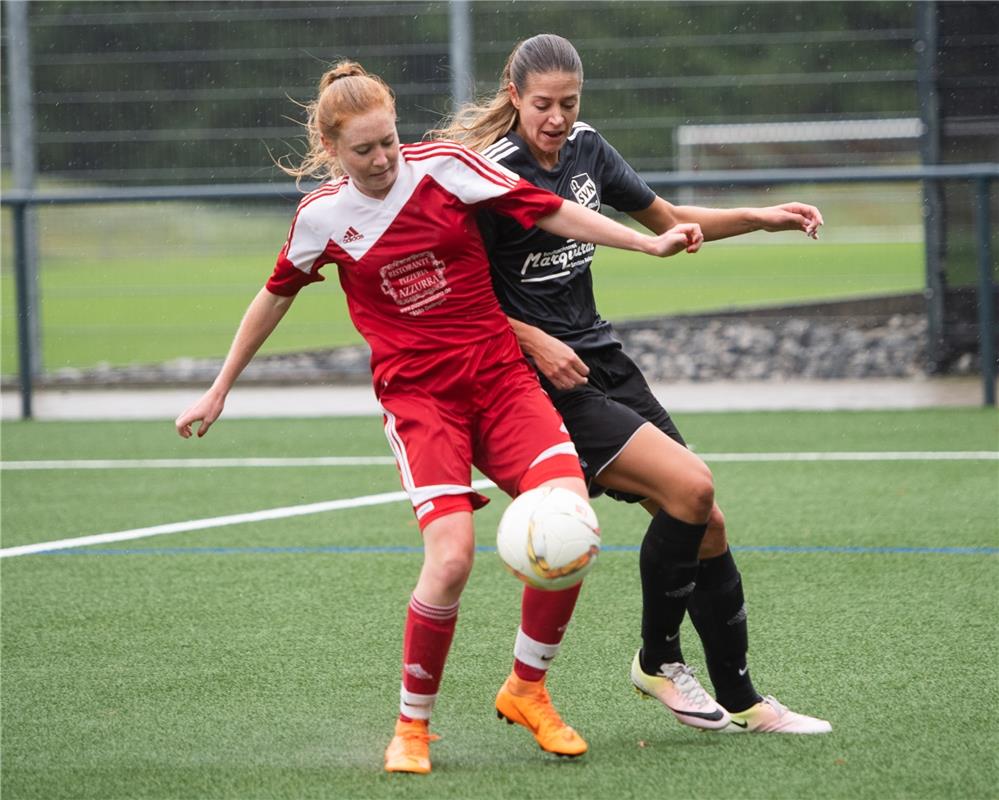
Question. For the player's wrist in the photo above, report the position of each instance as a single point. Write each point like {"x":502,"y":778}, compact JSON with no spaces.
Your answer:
{"x":754,"y":219}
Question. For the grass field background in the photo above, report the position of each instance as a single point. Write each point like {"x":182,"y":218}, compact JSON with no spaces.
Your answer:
{"x":147,"y":283}
{"x":262,"y":660}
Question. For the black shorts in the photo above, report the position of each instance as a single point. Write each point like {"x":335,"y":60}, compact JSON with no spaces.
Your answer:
{"x":604,"y":414}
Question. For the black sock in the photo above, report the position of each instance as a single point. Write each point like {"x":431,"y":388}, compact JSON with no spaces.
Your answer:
{"x":668,"y":563}
{"x":718,"y":611}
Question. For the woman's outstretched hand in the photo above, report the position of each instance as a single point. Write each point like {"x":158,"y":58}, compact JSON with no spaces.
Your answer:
{"x":791,"y":217}
{"x":206,"y":411}
{"x":686,"y":236}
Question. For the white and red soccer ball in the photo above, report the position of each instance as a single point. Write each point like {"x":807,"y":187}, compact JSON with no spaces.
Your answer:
{"x":549,"y":537}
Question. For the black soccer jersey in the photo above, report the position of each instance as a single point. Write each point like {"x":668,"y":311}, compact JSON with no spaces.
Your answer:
{"x":543,"y":279}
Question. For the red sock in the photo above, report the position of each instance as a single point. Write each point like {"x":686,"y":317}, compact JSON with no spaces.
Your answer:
{"x":544,"y":616}
{"x":429,"y":630}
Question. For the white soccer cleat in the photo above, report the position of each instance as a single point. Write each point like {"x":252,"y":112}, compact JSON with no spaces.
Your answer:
{"x":771,"y":716}
{"x":676,"y":688}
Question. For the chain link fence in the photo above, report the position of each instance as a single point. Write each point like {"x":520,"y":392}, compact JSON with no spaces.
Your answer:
{"x":174,"y":92}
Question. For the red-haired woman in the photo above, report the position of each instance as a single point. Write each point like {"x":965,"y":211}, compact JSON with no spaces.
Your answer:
{"x":399,"y":224}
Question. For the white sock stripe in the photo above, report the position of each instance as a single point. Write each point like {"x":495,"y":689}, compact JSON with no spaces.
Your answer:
{"x":432,"y":611}
{"x":414,"y":705}
{"x":534,"y":653}
{"x":566,"y":448}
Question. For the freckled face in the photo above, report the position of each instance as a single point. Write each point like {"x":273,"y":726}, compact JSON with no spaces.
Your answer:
{"x":547,"y":110}
{"x":368,"y":150}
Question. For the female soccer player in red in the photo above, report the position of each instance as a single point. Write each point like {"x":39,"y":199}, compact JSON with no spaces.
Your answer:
{"x":628,"y":444}
{"x":398,"y":222}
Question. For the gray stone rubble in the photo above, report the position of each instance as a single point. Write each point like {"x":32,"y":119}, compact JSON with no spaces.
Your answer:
{"x":705,"y":349}
{"x":883,"y":338}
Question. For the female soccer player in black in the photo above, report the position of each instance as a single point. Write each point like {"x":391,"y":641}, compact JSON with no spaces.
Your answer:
{"x":628,"y":444}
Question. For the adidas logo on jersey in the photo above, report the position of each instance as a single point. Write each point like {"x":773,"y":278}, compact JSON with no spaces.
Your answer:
{"x":352,"y":235}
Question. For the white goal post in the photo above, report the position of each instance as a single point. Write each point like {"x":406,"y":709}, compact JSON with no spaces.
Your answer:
{"x":688,"y":137}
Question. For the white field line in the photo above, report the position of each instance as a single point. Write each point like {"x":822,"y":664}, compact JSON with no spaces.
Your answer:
{"x":216,"y":522}
{"x":356,"y":461}
{"x":376,"y":499}
{"x":903,"y":455}
{"x":199,"y":463}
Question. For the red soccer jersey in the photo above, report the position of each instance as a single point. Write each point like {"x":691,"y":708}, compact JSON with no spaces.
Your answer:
{"x":412,"y":265}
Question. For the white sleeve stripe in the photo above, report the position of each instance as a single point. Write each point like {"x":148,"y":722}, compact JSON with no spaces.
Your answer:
{"x":472,"y":158}
{"x":488,"y":170}
{"x":501,"y":144}
{"x":317,"y":194}
{"x":506,"y":185}
{"x":325,"y":188}
{"x":498,"y":154}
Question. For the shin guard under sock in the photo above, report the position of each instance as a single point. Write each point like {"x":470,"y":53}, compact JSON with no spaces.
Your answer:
{"x":427,"y":639}
{"x":544,"y":617}
{"x":668,"y":563}
{"x":718,"y":611}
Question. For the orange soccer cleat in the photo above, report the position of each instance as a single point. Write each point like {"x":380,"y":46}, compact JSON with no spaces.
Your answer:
{"x":409,"y":750}
{"x":527,"y":703}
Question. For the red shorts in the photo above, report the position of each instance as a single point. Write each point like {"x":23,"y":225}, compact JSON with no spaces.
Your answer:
{"x":479,"y":404}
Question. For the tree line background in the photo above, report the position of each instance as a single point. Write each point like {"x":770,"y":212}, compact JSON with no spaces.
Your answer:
{"x":173,"y":92}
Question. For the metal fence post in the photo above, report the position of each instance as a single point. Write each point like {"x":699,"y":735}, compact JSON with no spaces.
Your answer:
{"x":986,"y":332}
{"x":926,"y":46}
{"x":25,"y":312}
{"x":460,"y":52}
{"x":17,"y":58}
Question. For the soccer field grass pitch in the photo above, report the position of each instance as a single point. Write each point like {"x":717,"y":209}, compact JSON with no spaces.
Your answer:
{"x":250,"y":654}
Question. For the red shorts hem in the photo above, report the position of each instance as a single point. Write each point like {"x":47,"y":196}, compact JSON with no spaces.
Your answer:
{"x":442,"y":505}
{"x":562,"y":465}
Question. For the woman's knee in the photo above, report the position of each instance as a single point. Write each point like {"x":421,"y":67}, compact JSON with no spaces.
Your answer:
{"x":715,"y":541}
{"x":449,"y":551}
{"x":692,"y":498}
{"x":451,"y":570}
{"x":702,"y":493}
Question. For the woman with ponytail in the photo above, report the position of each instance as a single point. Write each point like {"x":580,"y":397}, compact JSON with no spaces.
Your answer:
{"x":398,"y":224}
{"x":628,"y":444}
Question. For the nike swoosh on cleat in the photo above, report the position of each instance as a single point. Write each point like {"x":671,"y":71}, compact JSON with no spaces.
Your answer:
{"x":740,"y":724}
{"x":713,"y":715}
{"x":743,"y":671}
{"x":526,"y":723}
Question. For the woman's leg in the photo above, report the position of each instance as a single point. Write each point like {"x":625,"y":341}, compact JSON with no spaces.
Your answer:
{"x":718,"y":610}
{"x":680,"y":489}
{"x":545,"y":615}
{"x":448,"y":551}
{"x":680,"y":496}
{"x":544,"y":618}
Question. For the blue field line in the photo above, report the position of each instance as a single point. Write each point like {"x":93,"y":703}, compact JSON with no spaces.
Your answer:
{"x":378,"y":549}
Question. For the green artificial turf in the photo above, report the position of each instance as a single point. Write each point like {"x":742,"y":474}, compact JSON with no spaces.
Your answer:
{"x":262,"y":660}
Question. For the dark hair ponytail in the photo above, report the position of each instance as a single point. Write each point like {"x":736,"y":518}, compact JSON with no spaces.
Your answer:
{"x":478,"y":126}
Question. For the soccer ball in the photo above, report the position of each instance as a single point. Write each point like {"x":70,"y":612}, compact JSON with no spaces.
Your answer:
{"x":549,"y":538}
